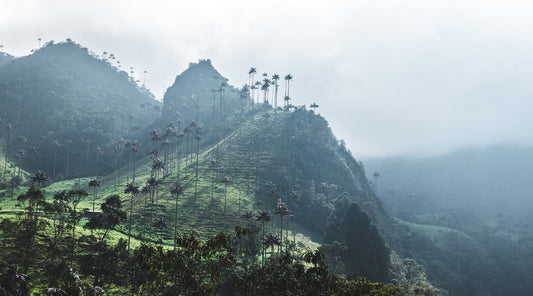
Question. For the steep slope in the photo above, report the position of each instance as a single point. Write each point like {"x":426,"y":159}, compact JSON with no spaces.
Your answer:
{"x":66,"y":103}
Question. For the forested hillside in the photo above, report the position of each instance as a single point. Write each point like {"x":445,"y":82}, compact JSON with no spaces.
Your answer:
{"x":468,"y":216}
{"x":216,"y":160}
{"x":62,"y":109}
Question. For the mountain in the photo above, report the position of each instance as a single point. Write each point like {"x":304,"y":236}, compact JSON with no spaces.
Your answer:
{"x":217,"y":161}
{"x":66,"y":107}
{"x":467,"y":214}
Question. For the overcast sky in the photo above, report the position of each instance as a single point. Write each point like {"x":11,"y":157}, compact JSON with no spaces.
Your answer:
{"x":393,"y":77}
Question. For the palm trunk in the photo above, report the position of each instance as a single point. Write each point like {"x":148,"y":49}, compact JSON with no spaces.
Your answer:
{"x":131,"y":214}
{"x":176,"y":221}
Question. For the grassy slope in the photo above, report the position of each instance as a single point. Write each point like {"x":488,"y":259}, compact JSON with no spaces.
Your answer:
{"x":236,"y":160}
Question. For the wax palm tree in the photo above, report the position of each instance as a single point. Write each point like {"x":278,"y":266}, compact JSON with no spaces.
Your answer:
{"x":198,"y":138}
{"x":117,"y":147}
{"x":40,"y":178}
{"x":258,"y":87}
{"x":264,"y":87}
{"x":251,"y":73}
{"x":288,"y":79}
{"x":282,"y":211}
{"x":153,"y":184}
{"x":176,"y":190}
{"x":145,"y":191}
{"x":275,"y":78}
{"x":156,"y":137}
{"x":287,"y":99}
{"x":314,"y":106}
{"x":270,"y":241}
{"x":133,"y":191}
{"x":94,"y":184}
{"x":9,"y":127}
{"x":75,"y":197}
{"x":264,"y":217}
{"x":157,"y":165}
{"x":135,"y":147}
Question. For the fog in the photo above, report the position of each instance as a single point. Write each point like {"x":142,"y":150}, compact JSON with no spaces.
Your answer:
{"x":393,"y":78}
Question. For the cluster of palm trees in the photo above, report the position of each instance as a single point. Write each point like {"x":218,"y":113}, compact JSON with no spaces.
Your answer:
{"x":264,"y":86}
{"x":270,"y":237}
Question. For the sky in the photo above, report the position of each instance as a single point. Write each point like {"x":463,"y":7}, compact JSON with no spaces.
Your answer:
{"x":393,"y":77}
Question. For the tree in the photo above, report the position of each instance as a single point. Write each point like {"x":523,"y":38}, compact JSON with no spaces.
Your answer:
{"x":270,"y":241}
{"x":94,"y":184}
{"x":134,"y":148}
{"x":40,"y":178}
{"x":275,"y":78}
{"x":198,"y":138}
{"x":282,"y":211}
{"x":134,"y":191}
{"x":251,"y":73}
{"x":264,"y":87}
{"x":264,"y":217}
{"x":111,"y":215}
{"x":75,"y":197}
{"x":288,"y":79}
{"x":176,"y":190}
{"x":314,"y":106}
{"x":9,"y":127}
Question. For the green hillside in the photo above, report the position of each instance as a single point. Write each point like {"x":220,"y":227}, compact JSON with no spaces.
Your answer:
{"x":267,"y":176}
{"x":66,"y":107}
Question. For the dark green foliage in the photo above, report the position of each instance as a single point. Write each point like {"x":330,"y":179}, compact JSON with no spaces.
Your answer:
{"x":286,"y":275}
{"x":67,"y":103}
{"x":365,"y":251}
{"x":213,"y":267}
{"x":111,"y":215}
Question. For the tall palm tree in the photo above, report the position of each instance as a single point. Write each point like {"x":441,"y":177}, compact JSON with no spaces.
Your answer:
{"x":134,"y":191}
{"x":40,"y":178}
{"x":75,"y":197}
{"x":258,"y":87}
{"x":264,"y":217}
{"x":117,"y":146}
{"x":9,"y":127}
{"x":198,"y":138}
{"x":282,"y":211}
{"x":288,"y":79}
{"x":275,"y":78}
{"x":264,"y":87}
{"x":251,"y":73}
{"x":94,"y":184}
{"x":134,"y":148}
{"x":213,"y":168}
{"x":314,"y":106}
{"x":271,"y":240}
{"x":145,"y":190}
{"x":176,"y":190}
